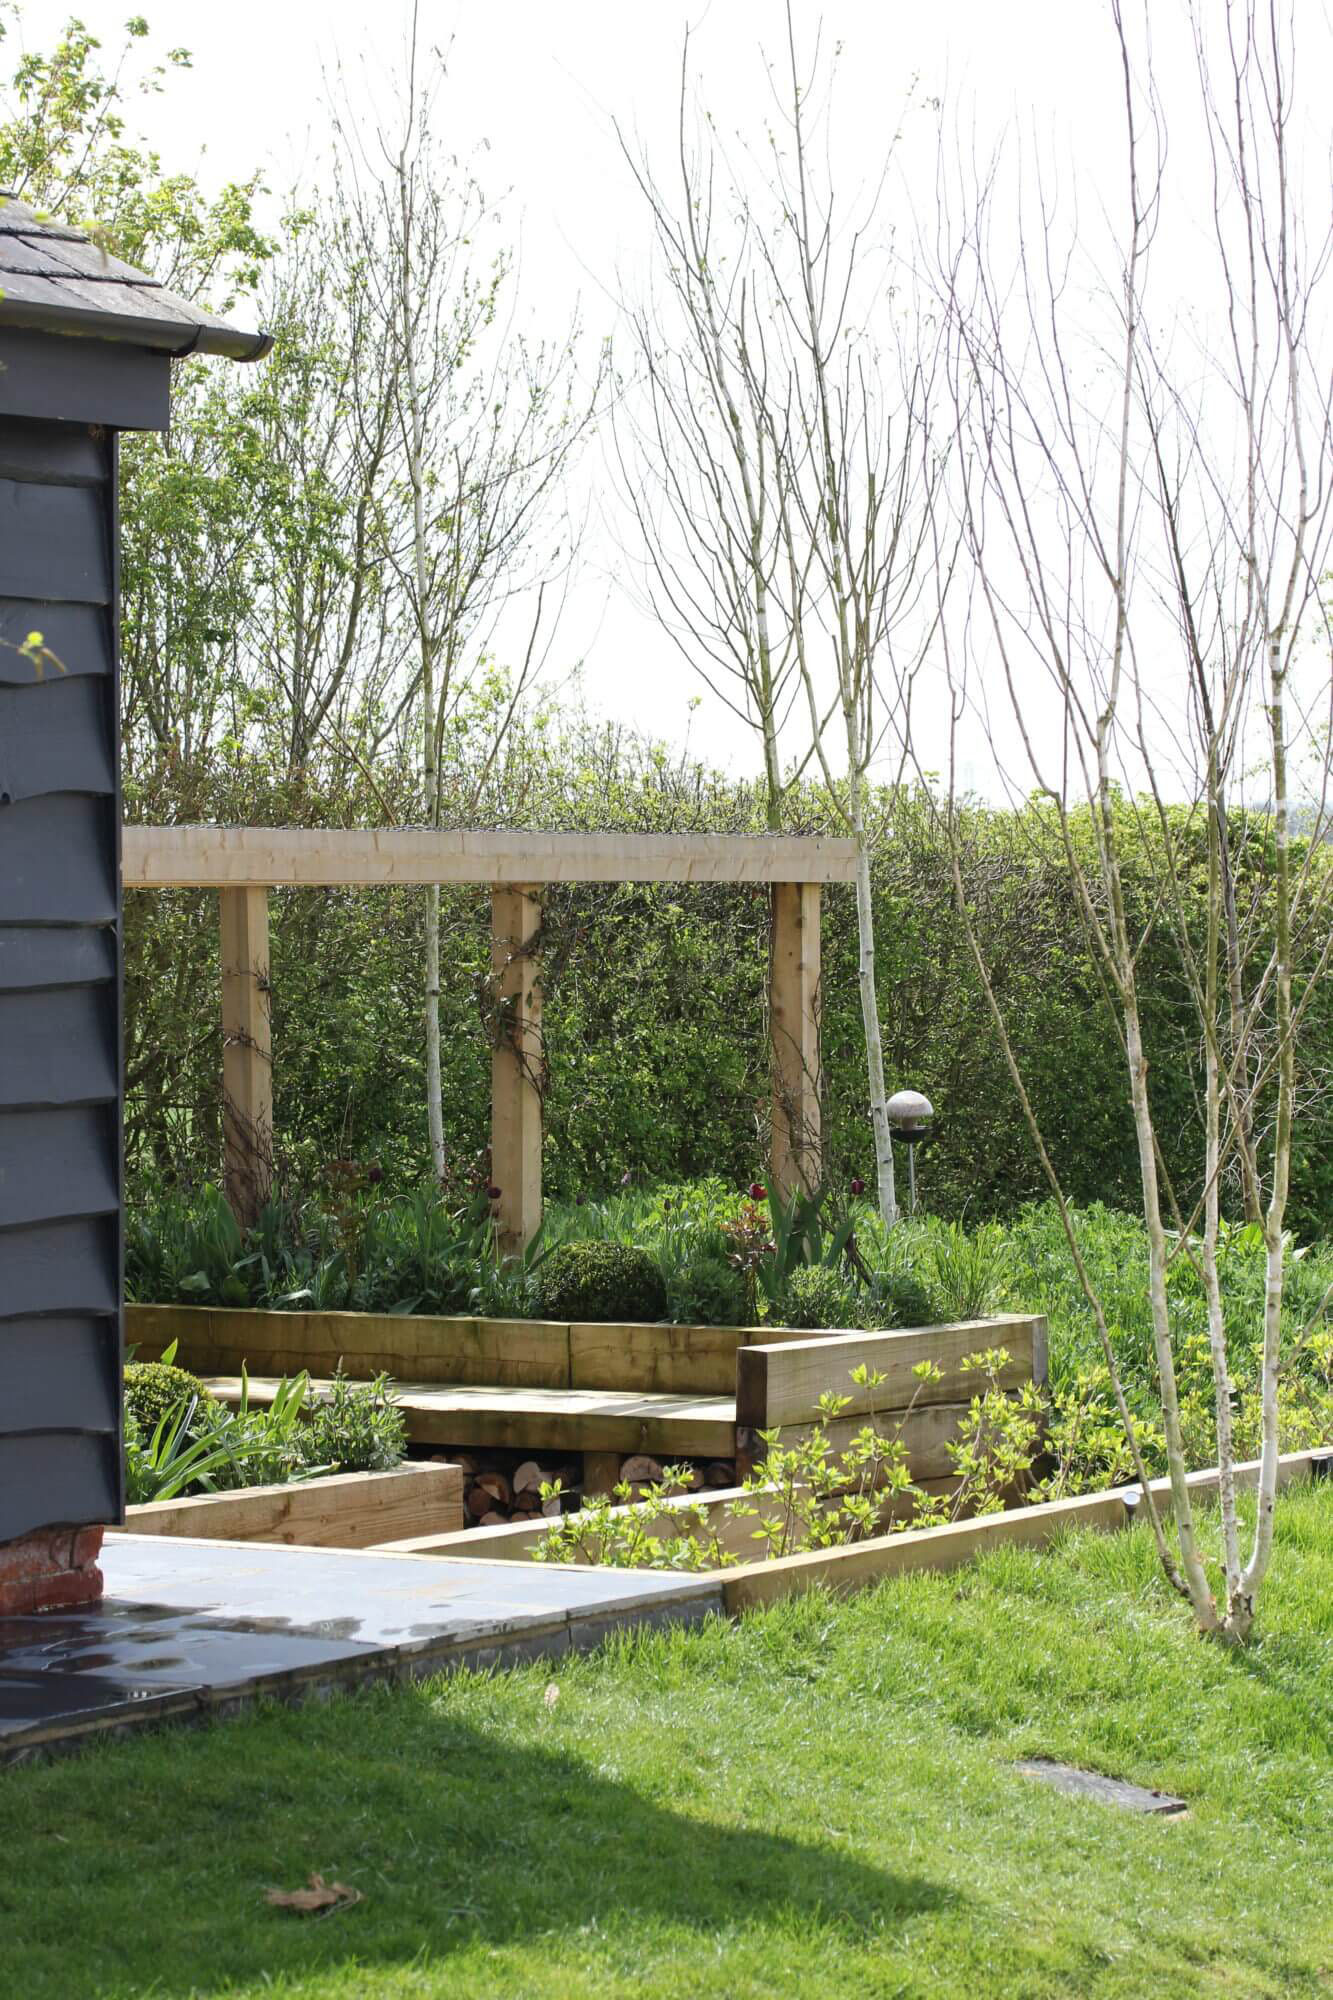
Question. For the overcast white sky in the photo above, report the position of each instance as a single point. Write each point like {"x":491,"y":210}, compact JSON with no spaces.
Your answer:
{"x":540,"y":82}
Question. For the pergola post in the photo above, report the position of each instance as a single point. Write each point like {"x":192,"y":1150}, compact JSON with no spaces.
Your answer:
{"x":247,"y":1058}
{"x":516,"y":1067}
{"x":793,"y":1014}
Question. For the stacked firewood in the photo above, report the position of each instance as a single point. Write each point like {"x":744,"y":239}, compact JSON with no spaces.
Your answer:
{"x":502,"y":1486}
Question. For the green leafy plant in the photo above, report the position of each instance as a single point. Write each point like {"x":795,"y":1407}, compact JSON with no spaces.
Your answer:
{"x":601,"y":1281}
{"x":706,"y":1290}
{"x":353,"y":1427}
{"x":999,"y":1439}
{"x":901,"y":1300}
{"x":970,"y":1276}
{"x":156,"y":1389}
{"x":174,"y":1460}
{"x":818,"y":1296}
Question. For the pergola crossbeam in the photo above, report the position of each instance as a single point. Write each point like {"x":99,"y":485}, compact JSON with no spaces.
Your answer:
{"x":244,"y":863}
{"x":261,"y":857}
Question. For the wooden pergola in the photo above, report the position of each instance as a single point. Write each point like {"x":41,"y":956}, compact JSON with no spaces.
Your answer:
{"x":244,"y":863}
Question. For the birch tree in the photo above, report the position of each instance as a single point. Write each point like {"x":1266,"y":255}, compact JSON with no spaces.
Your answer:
{"x":486,"y":421}
{"x":790,"y":443}
{"x":694,"y":443}
{"x":1146,"y":515}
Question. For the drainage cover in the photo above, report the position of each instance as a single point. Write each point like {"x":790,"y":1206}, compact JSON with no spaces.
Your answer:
{"x":1109,"y":1791}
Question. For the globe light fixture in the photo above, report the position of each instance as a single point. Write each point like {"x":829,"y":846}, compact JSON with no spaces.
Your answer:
{"x":911,"y":1115}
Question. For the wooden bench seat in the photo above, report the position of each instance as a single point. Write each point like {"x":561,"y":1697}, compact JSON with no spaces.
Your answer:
{"x":562,"y":1420}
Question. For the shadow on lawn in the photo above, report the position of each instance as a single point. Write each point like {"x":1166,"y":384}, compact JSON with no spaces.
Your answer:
{"x":453,"y":1834}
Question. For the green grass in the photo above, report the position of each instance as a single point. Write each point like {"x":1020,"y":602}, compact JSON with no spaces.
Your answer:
{"x":817,"y":1804}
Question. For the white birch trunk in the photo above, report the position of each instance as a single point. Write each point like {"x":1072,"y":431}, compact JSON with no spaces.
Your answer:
{"x":885,"y":1184}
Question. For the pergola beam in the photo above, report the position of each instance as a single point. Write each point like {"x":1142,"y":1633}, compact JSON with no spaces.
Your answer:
{"x":261,"y":857}
{"x":247,"y":1051}
{"x":516,"y":1068}
{"x":244,"y":863}
{"x":793,"y":1026}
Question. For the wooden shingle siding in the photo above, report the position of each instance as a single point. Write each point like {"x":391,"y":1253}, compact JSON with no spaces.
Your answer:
{"x":56,"y":1048}
{"x":71,"y":1266}
{"x":59,"y":454}
{"x":53,"y":542}
{"x":75,"y":633}
{"x":59,"y":1374}
{"x":82,"y":382}
{"x":38,"y":956}
{"x":58,"y":1164}
{"x":60,"y":1065}
{"x":56,"y":1479}
{"x":53,"y":738}
{"x":58,"y":861}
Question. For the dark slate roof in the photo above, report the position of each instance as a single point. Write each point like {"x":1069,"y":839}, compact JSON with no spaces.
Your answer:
{"x":54,"y":279}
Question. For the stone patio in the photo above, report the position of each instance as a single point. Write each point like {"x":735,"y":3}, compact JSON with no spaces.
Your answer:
{"x":190,"y":1629}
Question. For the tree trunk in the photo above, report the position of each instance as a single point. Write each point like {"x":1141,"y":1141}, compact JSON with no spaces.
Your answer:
{"x":885,"y":1186}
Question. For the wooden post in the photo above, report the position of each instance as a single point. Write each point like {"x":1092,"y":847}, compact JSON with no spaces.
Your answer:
{"x":793,"y":1011}
{"x":247,"y":1059}
{"x":516,"y":1068}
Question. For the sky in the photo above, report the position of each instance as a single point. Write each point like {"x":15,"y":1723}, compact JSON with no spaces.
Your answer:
{"x":539,"y":85}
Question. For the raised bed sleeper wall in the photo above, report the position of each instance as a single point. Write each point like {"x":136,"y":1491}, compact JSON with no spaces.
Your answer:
{"x":601,"y":1391}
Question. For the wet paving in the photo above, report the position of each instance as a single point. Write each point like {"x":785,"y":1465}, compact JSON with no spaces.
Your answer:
{"x":187,"y":1628}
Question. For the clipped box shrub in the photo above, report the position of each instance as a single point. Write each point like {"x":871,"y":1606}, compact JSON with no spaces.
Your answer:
{"x":153,"y":1388}
{"x":601,"y":1281}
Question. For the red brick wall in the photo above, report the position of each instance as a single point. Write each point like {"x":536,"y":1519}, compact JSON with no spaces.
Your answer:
{"x":56,"y":1567}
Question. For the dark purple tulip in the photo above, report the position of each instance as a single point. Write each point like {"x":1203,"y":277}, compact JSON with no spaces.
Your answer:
{"x":858,"y":1185}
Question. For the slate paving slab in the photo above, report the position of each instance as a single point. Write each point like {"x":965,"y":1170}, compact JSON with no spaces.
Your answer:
{"x":1096,"y":1785}
{"x":48,"y":1705}
{"x":190,"y":1627}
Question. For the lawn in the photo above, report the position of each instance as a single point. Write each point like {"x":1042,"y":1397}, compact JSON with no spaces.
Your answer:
{"x":817,"y":1803}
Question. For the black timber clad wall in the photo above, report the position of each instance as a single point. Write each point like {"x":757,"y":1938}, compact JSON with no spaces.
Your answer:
{"x":60,"y":1082}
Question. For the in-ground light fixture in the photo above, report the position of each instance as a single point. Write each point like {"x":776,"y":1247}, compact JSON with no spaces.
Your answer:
{"x":910,"y":1115}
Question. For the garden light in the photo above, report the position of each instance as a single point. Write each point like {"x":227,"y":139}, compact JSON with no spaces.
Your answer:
{"x":910,"y":1115}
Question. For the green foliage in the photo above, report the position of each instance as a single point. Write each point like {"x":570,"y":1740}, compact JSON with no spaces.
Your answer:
{"x":179,"y":1440}
{"x":969,"y":1276}
{"x":902,"y":1300}
{"x":154,"y":1389}
{"x":705,"y":1290}
{"x":339,"y":1252}
{"x":809,"y":1495}
{"x":817,"y":1295}
{"x":601,"y":1281}
{"x":354,"y":1427}
{"x":200,"y":1447}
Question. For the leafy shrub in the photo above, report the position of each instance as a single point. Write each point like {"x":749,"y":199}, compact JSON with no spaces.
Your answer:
{"x":601,"y":1281}
{"x":818,"y":1296}
{"x":707,"y":1291}
{"x":902,"y":1300}
{"x":204,"y":1448}
{"x":809,"y":1495}
{"x":153,"y":1389}
{"x":353,"y":1427}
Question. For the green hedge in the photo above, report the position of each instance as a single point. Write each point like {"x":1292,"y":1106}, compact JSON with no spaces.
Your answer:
{"x":654,"y":1007}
